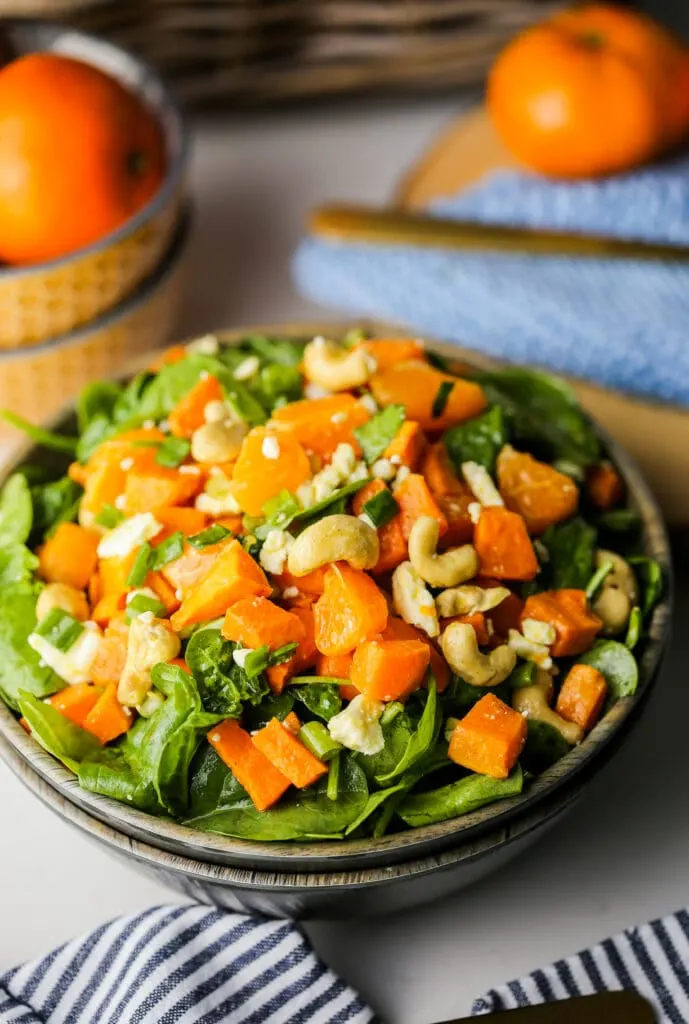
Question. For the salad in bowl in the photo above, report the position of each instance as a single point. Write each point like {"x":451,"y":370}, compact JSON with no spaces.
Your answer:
{"x":319,"y":589}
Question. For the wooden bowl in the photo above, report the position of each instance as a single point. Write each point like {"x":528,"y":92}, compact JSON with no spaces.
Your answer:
{"x":43,"y":302}
{"x":240,"y":864}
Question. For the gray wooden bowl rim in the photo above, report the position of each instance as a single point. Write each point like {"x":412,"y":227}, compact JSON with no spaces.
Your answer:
{"x":295,"y":857}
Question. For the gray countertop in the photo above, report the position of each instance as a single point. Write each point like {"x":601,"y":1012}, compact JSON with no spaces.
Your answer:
{"x":621,"y":856}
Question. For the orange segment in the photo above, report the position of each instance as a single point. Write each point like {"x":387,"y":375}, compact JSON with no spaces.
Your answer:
{"x":540,"y":494}
{"x":269,"y":462}
{"x":415,"y":384}
{"x":321,"y":424}
{"x":350,"y":610}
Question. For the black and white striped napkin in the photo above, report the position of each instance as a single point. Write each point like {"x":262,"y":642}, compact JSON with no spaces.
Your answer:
{"x":652,"y":959}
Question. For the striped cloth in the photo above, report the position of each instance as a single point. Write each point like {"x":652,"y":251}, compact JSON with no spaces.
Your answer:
{"x":181,"y":965}
{"x":653,"y":959}
{"x":619,"y":323}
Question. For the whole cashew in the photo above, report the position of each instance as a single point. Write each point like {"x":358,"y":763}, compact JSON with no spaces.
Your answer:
{"x":460,"y":647}
{"x":618,"y":593}
{"x":447,"y":570}
{"x":218,"y":441}
{"x":337,"y":538}
{"x":336,"y":368}
{"x":150,"y":641}
{"x":413,"y":601}
{"x":466,"y":600}
{"x":532,"y":702}
{"x":62,"y":596}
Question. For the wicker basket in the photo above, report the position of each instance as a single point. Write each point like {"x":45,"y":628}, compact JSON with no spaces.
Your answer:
{"x":41,"y":302}
{"x":241,"y":51}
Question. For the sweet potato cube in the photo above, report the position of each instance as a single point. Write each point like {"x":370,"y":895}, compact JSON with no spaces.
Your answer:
{"x":75,"y":702}
{"x":69,"y":556}
{"x":107,"y":719}
{"x":489,"y":739}
{"x":289,"y":755}
{"x":575,"y":624}
{"x":503,"y":545}
{"x":389,"y":669}
{"x":415,"y":500}
{"x":408,"y":445}
{"x":252,"y":769}
{"x":188,"y":415}
{"x":391,"y":539}
{"x":582,"y":696}
{"x":233,"y":575}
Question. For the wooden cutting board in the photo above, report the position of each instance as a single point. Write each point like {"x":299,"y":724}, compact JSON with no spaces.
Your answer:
{"x":656,"y":434}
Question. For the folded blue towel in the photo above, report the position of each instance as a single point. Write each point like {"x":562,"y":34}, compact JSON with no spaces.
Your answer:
{"x":181,"y":965}
{"x":624,"y":324}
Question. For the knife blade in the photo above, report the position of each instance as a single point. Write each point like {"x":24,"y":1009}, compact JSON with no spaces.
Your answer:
{"x":602,"y":1008}
{"x":400,"y":227}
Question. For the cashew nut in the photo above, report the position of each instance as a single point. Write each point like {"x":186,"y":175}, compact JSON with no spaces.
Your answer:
{"x":532,"y":702}
{"x":413,"y":601}
{"x":150,"y":642}
{"x":447,"y":570}
{"x":467,"y":599}
{"x":218,"y":441}
{"x":337,"y":538}
{"x":618,"y":593}
{"x":460,"y":647}
{"x":65,"y":597}
{"x":336,"y":368}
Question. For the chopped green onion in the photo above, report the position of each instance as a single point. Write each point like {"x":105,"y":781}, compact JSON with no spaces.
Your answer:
{"x":597,"y":580}
{"x":391,"y":711}
{"x":146,"y":442}
{"x":318,"y":740}
{"x":109,"y":517}
{"x":262,"y":658}
{"x":141,"y":566}
{"x":318,"y":681}
{"x":381,"y":508}
{"x":45,"y":438}
{"x":141,"y":603}
{"x":169,"y":550}
{"x":634,"y":628}
{"x":283,"y":653}
{"x":212,"y":535}
{"x":172,"y":452}
{"x":333,"y":787}
{"x":60,"y":629}
{"x":441,"y":398}
{"x":376,"y":435}
{"x":281,"y":510}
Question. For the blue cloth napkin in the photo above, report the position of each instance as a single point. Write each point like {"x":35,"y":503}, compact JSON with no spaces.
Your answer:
{"x":181,"y":965}
{"x":620,"y":324}
{"x":652,"y":959}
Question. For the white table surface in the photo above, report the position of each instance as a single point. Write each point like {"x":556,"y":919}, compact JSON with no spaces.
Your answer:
{"x":621,"y":857}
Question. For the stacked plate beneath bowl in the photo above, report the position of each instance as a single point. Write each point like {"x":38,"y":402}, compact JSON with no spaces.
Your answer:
{"x":84,"y":316}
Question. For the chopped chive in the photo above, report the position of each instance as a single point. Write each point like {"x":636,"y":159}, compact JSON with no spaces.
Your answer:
{"x":634,"y":628}
{"x":333,"y":787}
{"x":212,"y":535}
{"x":381,"y":508}
{"x":168,"y":550}
{"x":141,"y":566}
{"x":597,"y":580}
{"x":109,"y":517}
{"x":172,"y":452}
{"x":141,"y":603}
{"x":441,"y":398}
{"x":318,"y":740}
{"x":60,"y":629}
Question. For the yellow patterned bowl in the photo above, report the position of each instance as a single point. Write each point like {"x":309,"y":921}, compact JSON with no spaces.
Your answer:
{"x":42,"y":302}
{"x":37,"y":381}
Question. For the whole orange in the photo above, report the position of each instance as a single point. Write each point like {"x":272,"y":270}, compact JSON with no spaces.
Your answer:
{"x":79,"y":154}
{"x":591,"y":91}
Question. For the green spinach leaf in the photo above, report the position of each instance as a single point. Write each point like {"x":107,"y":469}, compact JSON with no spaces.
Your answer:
{"x":16,"y":511}
{"x":97,"y":401}
{"x":39,"y":435}
{"x":275,"y":351}
{"x":375,"y":436}
{"x":618,"y":665}
{"x":53,"y":503}
{"x":571,"y":548}
{"x":21,"y":670}
{"x":17,"y":564}
{"x":544,"y":746}
{"x":478,"y":440}
{"x":458,"y":798}
{"x":63,"y":739}
{"x":324,"y":701}
{"x":422,"y":740}
{"x":224,"y":687}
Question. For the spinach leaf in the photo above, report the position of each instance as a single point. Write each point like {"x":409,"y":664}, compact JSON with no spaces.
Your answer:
{"x":328,"y":506}
{"x":544,"y":746}
{"x":21,"y":670}
{"x":222,"y":684}
{"x":301,"y":814}
{"x":571,"y":547}
{"x":542,"y":411}
{"x":277,"y":384}
{"x":45,"y":438}
{"x":150,"y":767}
{"x":618,"y":665}
{"x":650,"y":576}
{"x":478,"y":440}
{"x":63,"y":739}
{"x":458,"y":798}
{"x":375,"y":800}
{"x":97,"y":401}
{"x":460,"y":696}
{"x":16,"y":511}
{"x":275,"y":351}
{"x":619,"y":522}
{"x":324,"y":701}
{"x":396,"y":735}
{"x":275,"y":705}
{"x":53,"y":503}
{"x":281,"y":510}
{"x":17,"y":564}
{"x":375,"y":436}
{"x":422,"y":740}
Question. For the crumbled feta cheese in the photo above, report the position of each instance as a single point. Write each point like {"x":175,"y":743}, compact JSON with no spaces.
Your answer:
{"x":217,"y":498}
{"x":207,"y":345}
{"x":482,"y":487}
{"x":190,"y":470}
{"x":338,"y":417}
{"x":74,"y":665}
{"x":367,"y":519}
{"x":474,"y":510}
{"x":247,"y":369}
{"x":129,"y":535}
{"x":370,"y":362}
{"x":413,"y":601}
{"x":126,"y":464}
{"x":239,"y":657}
{"x":148,"y":424}
{"x":164,"y":425}
{"x":216,"y":411}
{"x":360,"y":473}
{"x":383,"y":469}
{"x":402,"y":474}
{"x":369,"y":403}
{"x":539,"y":632}
{"x":325,"y":483}
{"x":275,"y":550}
{"x":179,"y":594}
{"x":313,"y":391}
{"x":523,"y":648}
{"x":358,"y":726}
{"x":344,"y":460}
{"x":270,"y":448}
{"x":396,"y":460}
{"x":120,"y":502}
{"x":305,"y":494}
{"x":290,"y":592}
